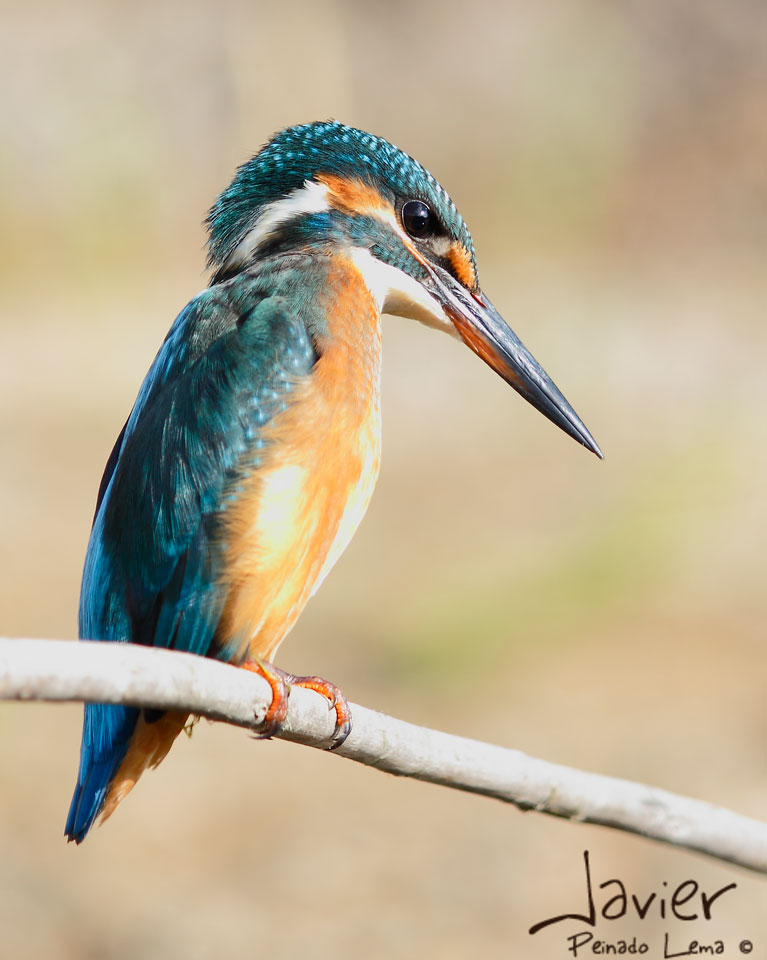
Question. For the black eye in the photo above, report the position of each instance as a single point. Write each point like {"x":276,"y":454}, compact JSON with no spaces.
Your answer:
{"x":417,"y":219}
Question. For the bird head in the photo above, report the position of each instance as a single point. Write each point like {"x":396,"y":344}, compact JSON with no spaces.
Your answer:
{"x":328,"y":187}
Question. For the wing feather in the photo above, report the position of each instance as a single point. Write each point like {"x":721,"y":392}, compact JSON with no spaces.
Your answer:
{"x":229,"y":363}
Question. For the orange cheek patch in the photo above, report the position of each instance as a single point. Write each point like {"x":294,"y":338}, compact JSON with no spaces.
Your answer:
{"x":354,"y":196}
{"x":462,"y":266}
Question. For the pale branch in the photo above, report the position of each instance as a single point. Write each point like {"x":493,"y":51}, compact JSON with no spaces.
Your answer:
{"x":55,"y":670}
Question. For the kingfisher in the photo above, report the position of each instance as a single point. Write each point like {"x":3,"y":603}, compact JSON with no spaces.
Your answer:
{"x":251,"y":452}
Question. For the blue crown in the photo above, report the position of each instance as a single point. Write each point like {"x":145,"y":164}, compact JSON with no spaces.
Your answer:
{"x":298,"y":154}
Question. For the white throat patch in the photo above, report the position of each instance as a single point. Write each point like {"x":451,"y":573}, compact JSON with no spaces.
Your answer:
{"x":397,"y":293}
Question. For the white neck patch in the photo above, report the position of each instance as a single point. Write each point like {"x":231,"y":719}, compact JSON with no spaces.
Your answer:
{"x":312,"y":197}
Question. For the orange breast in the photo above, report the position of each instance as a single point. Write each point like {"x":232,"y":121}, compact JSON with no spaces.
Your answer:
{"x":298,"y":512}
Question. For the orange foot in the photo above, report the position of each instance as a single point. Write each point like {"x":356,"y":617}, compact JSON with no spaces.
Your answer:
{"x":280,"y":681}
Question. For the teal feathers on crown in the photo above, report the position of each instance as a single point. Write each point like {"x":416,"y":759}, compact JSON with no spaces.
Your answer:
{"x":298,"y":154}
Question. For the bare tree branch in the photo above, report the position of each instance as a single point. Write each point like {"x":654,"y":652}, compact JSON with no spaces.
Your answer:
{"x":123,"y":673}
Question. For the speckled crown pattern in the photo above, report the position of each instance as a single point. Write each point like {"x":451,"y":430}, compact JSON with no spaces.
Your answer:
{"x":298,"y":154}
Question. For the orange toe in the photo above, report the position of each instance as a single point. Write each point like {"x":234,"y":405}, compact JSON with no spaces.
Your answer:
{"x":278,"y":708}
{"x":337,"y":701}
{"x":280,"y":681}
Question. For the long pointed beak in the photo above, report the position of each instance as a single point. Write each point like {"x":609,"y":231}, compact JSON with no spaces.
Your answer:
{"x":483,"y":329}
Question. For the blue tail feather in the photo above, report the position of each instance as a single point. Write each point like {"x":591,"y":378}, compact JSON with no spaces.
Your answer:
{"x":107,"y":731}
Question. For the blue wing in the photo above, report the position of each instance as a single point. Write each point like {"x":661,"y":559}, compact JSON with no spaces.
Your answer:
{"x":228,"y":365}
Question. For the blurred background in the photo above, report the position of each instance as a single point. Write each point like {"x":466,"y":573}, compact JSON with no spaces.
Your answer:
{"x":611,"y":161}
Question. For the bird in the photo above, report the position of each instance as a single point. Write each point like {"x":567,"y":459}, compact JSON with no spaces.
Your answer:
{"x":253,"y":447}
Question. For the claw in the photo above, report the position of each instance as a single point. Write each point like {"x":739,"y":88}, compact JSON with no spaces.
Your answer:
{"x":343,"y":726}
